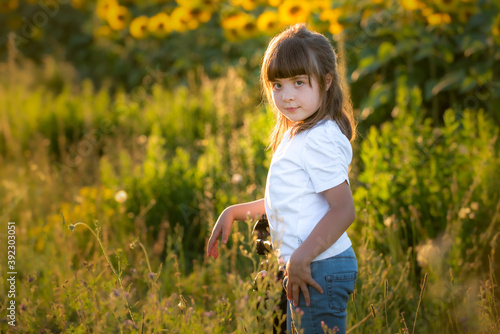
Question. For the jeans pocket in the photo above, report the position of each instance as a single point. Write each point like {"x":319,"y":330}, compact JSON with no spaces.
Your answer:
{"x":339,"y":287}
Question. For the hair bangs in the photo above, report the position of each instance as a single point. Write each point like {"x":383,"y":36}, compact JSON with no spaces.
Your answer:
{"x":291,"y":58}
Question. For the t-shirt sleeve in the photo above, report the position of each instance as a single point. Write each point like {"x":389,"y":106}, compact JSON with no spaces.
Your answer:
{"x":326,"y":157}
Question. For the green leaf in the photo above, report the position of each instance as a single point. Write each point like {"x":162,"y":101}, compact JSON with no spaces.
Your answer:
{"x":379,"y":95}
{"x":366,"y":65}
{"x":424,"y":52}
{"x":468,"y":84}
{"x":385,"y":51}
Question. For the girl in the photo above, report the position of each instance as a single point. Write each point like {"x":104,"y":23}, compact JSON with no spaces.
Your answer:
{"x":307,"y":200}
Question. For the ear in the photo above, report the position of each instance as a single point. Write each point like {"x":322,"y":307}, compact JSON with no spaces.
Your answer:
{"x":328,"y":80}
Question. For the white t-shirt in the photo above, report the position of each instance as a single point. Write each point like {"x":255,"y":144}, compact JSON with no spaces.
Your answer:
{"x":301,"y":169}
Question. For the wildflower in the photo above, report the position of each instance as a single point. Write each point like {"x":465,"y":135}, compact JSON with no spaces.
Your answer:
{"x":128,"y":323}
{"x":121,"y":196}
{"x":464,"y":212}
{"x":116,"y":293}
{"x":427,"y":253}
{"x":158,"y":25}
{"x":268,"y":22}
{"x":142,"y":139}
{"x":294,"y":11}
{"x":474,"y":206}
{"x":388,"y":221}
{"x":237,"y":178}
{"x":118,"y":17}
{"x":139,"y":27}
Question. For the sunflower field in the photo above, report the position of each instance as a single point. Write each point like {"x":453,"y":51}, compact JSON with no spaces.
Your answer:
{"x":127,"y":126}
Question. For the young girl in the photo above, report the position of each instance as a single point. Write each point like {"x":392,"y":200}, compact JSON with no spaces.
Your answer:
{"x":308,"y":201}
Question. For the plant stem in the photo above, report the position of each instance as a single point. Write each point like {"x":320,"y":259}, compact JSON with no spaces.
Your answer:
{"x":111,"y":265}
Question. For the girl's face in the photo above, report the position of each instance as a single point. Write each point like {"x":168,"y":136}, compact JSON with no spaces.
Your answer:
{"x":296,"y":98}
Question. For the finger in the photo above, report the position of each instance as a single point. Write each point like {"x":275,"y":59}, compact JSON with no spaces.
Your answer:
{"x":212,"y":249}
{"x":295,"y":293}
{"x":305,"y":291}
{"x":316,"y":285}
{"x":289,"y":290}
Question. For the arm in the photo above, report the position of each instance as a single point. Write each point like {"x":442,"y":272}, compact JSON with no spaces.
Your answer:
{"x":325,"y":233}
{"x":241,"y":211}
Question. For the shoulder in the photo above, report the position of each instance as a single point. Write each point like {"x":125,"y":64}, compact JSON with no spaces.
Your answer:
{"x":326,"y":132}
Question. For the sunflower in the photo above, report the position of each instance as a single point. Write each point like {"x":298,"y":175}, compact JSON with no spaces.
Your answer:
{"x":118,"y":17}
{"x":239,"y":26}
{"x":438,"y":19}
{"x":465,"y":13}
{"x":410,"y":4}
{"x":158,"y":25}
{"x":248,"y":27}
{"x":102,"y":31}
{"x":268,"y":22}
{"x":332,"y":16}
{"x":103,"y":6}
{"x":233,"y":20}
{"x":139,"y":27}
{"x":320,"y":5}
{"x":247,"y":5}
{"x":294,"y":11}
{"x":335,"y":28}
{"x":447,"y":6}
{"x":200,"y":13}
{"x":274,"y":3}
{"x":183,"y":20}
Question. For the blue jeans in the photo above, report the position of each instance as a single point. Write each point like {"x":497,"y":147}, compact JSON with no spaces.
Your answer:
{"x":337,"y":276}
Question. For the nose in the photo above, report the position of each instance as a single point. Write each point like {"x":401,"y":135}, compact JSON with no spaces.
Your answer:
{"x":287,"y":94}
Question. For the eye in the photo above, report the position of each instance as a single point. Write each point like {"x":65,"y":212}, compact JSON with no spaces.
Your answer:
{"x":299,"y":83}
{"x":276,"y":85}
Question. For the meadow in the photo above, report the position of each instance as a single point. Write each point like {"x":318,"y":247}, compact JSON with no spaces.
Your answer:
{"x":114,"y":198}
{"x":120,"y":145}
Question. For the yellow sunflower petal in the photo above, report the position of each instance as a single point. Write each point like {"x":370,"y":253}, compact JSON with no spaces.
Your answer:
{"x":118,"y":17}
{"x":158,"y":25}
{"x":294,"y":11}
{"x":139,"y":27}
{"x":268,"y":22}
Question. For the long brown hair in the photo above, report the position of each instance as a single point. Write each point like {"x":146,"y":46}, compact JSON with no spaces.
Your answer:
{"x":299,"y":51}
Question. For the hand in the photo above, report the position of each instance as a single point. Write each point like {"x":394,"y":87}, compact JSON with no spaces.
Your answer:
{"x":298,"y":270}
{"x":222,"y":227}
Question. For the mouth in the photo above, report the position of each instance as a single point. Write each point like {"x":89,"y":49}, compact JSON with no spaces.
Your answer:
{"x":290,"y":109}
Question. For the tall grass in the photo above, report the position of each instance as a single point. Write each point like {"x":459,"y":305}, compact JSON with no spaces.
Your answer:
{"x":114,"y":197}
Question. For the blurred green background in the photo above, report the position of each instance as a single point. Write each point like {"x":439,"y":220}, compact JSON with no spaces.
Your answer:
{"x":144,"y":120}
